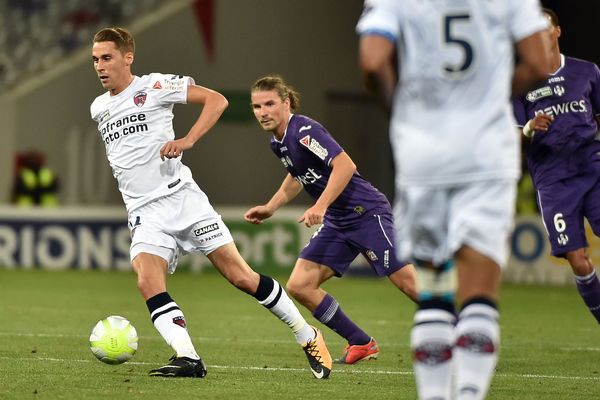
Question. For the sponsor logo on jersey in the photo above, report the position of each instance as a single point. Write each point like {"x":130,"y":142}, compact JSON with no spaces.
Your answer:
{"x":133,"y":123}
{"x":372,"y":256}
{"x":556,"y":79}
{"x":386,"y":259}
{"x":304,"y":128}
{"x":175,"y":84}
{"x":314,"y":146}
{"x":309,"y":177}
{"x":575,"y":106}
{"x":283,"y":148}
{"x":104,"y":115}
{"x":139,"y":98}
{"x":539,"y":94}
{"x":559,"y":90}
{"x":206,"y":229}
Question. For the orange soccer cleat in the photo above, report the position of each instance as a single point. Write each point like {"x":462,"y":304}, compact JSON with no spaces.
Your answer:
{"x":358,"y":352}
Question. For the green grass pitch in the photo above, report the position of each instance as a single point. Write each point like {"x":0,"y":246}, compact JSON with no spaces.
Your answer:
{"x":550,"y":343}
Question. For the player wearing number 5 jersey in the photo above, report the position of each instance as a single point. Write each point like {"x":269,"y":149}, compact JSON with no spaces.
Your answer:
{"x":457,"y":159}
{"x":560,"y":119}
{"x":168,"y":213}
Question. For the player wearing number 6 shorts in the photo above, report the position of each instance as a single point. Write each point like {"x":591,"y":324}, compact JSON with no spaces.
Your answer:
{"x":559,"y":119}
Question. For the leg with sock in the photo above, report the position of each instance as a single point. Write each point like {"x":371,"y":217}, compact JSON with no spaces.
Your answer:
{"x":476,"y":350}
{"x":589,"y":290}
{"x":273,"y":297}
{"x":586,"y":279}
{"x":432,"y":340}
{"x":432,"y":335}
{"x":169,"y":320}
{"x":360,"y":345}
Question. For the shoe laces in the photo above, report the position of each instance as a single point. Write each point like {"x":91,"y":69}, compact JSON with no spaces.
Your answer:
{"x":312,"y":349}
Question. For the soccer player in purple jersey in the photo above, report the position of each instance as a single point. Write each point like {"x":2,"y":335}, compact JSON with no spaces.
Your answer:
{"x":561,"y":118}
{"x":355,"y":216}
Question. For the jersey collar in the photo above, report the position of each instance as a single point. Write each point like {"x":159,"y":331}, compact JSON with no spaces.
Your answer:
{"x":284,"y":132}
{"x":562,"y":64}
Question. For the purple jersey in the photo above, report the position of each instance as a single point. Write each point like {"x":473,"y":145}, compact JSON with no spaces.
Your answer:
{"x":306,"y":151}
{"x":569,"y":147}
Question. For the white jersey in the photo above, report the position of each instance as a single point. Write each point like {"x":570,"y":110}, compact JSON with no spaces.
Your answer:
{"x":451,"y":119}
{"x":134,"y":125}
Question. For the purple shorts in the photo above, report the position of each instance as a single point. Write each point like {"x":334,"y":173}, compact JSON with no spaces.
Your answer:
{"x":564,"y":205}
{"x":337,"y":247}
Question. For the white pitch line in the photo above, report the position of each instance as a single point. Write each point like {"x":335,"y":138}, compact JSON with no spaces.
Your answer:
{"x":336,"y":371}
{"x":244,"y":340}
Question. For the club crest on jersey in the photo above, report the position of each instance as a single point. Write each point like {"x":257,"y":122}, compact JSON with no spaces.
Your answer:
{"x":559,"y":90}
{"x":539,"y":94}
{"x":314,"y":146}
{"x":563,"y":239}
{"x":139,"y":98}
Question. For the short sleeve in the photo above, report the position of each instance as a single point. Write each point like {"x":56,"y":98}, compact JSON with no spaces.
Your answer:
{"x":595,"y":93}
{"x":169,"y":89}
{"x":525,"y":18}
{"x":379,"y":17}
{"x":519,"y":111}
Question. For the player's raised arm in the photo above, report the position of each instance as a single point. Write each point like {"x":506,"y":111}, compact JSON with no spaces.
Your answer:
{"x":534,"y":64}
{"x":214,"y":103}
{"x":376,"y":57}
{"x":289,"y":189}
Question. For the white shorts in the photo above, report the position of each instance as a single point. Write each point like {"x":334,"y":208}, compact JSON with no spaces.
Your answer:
{"x":433,"y":222}
{"x":180,"y":223}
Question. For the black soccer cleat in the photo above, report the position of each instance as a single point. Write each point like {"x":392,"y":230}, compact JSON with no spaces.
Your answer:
{"x":181,"y":367}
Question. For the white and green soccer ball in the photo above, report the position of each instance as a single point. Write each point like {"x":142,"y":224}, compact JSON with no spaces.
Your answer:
{"x":114,"y":340}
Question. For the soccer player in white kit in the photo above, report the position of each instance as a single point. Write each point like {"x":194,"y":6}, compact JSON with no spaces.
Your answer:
{"x":168,"y":213}
{"x":457,"y":165}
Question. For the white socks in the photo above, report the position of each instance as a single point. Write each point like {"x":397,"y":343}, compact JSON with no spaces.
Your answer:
{"x":455,"y":362}
{"x":170,"y":323}
{"x":432,"y":339}
{"x":278,"y":302}
{"x":476,"y":350}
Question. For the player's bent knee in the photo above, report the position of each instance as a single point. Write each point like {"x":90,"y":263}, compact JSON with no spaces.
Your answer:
{"x":580,"y":262}
{"x":295,"y":289}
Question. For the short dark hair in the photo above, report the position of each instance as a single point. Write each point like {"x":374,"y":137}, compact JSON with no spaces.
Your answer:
{"x":121,"y":37}
{"x":276,"y":83}
{"x":552,"y":15}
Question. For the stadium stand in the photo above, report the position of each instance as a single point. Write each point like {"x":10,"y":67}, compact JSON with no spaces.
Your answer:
{"x":34,"y":34}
